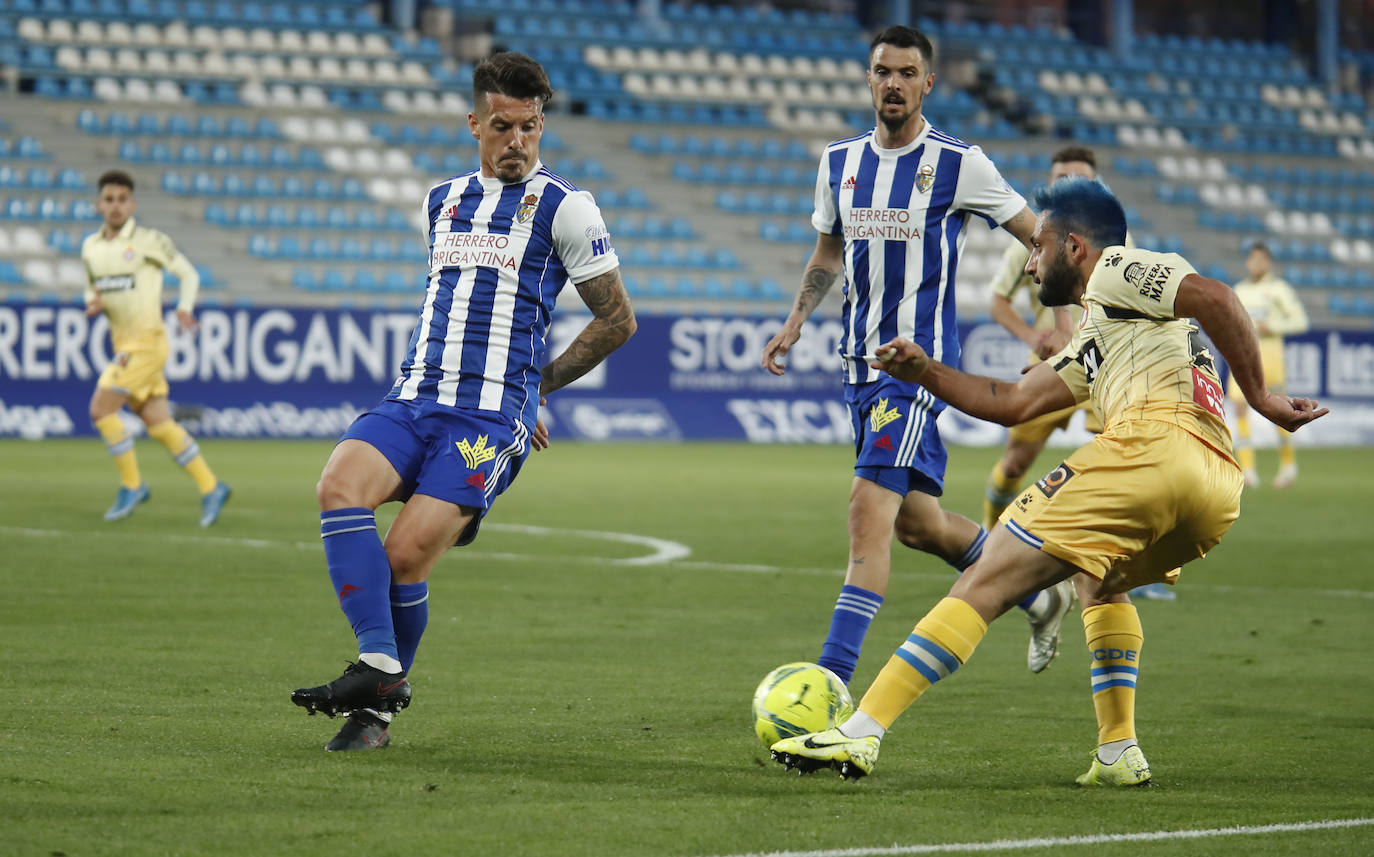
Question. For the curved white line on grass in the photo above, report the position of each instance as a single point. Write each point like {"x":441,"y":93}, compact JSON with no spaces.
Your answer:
{"x":664,"y":551}
{"x":1061,"y":841}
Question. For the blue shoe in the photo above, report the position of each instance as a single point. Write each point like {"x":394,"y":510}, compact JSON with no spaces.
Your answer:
{"x":1155,"y":592}
{"x":125,"y":501}
{"x":211,"y":503}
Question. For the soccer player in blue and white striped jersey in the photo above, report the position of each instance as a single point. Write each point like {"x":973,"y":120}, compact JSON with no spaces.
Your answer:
{"x":462,"y":416}
{"x":891,"y":209}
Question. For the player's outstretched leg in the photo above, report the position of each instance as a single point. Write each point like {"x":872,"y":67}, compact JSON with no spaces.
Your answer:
{"x":852,"y":757}
{"x":360,"y":686}
{"x":363,"y":730}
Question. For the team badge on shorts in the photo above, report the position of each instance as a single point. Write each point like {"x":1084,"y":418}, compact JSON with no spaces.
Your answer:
{"x":881,"y":415}
{"x":527,"y":208}
{"x":925,"y":177}
{"x":474,"y":456}
{"x":1054,"y":480}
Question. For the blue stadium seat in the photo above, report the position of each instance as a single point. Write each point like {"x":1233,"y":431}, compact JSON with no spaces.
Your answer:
{"x":302,"y":278}
{"x":289,"y":247}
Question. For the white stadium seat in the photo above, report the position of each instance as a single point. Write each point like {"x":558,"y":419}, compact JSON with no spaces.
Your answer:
{"x":5,"y":243}
{"x":262,"y":39}
{"x":147,"y":35}
{"x":60,"y":30}
{"x":39,"y":272}
{"x":90,"y":31}
{"x":453,"y":103}
{"x":119,"y":33}
{"x":255,"y":94}
{"x":367,"y":161}
{"x":233,"y":38}
{"x":397,"y":161}
{"x":71,"y":274}
{"x":29,"y":242}
{"x":98,"y":59}
{"x":382,"y":190}
{"x":107,"y":89}
{"x":319,"y":42}
{"x":167,"y":91}
{"x":301,"y":67}
{"x":313,"y":96}
{"x":347,"y":43}
{"x":157,"y":62}
{"x":424,"y":101}
{"x":354,"y":131}
{"x":215,"y":63}
{"x":31,"y":29}
{"x":175,"y":34}
{"x":128,"y":61}
{"x":271,"y":65}
{"x":290,"y":41}
{"x":374,"y":43}
{"x":69,"y":58}
{"x":396,"y":101}
{"x":137,"y":89}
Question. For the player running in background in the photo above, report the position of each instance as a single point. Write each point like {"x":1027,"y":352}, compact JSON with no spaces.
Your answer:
{"x":459,"y":422}
{"x":124,"y":264}
{"x":1157,"y":488}
{"x":1046,"y":334}
{"x":891,"y":205}
{"x":1277,"y":312}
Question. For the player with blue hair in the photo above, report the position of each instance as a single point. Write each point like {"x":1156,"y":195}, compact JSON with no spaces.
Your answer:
{"x":1158,"y":488}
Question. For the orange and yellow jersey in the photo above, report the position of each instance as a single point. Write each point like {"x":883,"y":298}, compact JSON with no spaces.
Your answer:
{"x":1134,"y":359}
{"x":125,"y":272}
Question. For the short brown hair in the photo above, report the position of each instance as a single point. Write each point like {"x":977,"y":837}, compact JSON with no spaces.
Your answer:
{"x":115,"y":177}
{"x":511,"y":74}
{"x":1070,"y":154}
{"x":904,"y":37}
{"x":1262,"y":247}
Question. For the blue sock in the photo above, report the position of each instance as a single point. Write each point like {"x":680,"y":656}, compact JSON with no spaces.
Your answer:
{"x":409,"y":616}
{"x":971,"y":555}
{"x":854,"y":610}
{"x":361,"y":575}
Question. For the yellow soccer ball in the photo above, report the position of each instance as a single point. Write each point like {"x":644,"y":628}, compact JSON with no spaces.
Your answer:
{"x":798,"y":698}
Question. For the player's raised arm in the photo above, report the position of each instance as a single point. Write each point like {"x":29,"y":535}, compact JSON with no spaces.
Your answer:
{"x":824,"y":267}
{"x":614,"y":323}
{"x":1224,"y":319}
{"x":1039,"y":391}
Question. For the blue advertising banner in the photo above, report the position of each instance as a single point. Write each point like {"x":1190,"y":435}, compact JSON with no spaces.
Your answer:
{"x":295,"y":372}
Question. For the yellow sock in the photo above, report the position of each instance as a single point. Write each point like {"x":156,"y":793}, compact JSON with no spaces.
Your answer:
{"x":186,"y":452}
{"x":1288,"y":456}
{"x":1001,"y":491}
{"x":1245,"y":453}
{"x":941,"y":642}
{"x":1114,"y":639}
{"x":121,"y":447}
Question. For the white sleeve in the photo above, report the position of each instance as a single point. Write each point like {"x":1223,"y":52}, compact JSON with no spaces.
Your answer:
{"x":983,"y":191}
{"x":825,"y":218}
{"x":581,"y":239}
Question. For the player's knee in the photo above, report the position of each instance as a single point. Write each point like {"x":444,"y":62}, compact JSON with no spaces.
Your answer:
{"x":919,"y":532}
{"x":335,"y":492}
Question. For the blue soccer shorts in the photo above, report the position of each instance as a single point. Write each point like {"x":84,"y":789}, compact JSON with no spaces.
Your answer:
{"x":896,"y":442}
{"x":463,"y":456}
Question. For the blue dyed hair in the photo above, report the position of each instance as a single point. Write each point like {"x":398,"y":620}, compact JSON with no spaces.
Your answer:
{"x":1086,"y":207}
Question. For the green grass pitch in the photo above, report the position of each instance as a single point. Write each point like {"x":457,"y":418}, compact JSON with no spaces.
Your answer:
{"x":568,"y":702}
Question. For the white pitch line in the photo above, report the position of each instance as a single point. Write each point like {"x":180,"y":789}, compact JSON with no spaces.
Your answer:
{"x":663,"y":553}
{"x":1061,"y":841}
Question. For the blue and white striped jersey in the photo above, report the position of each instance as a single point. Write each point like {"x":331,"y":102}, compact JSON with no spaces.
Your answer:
{"x":499,"y":254}
{"x":901,"y":213}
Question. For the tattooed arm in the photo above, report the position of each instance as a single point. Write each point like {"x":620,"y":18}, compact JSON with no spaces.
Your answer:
{"x":827,"y":261}
{"x":614,"y":323}
{"x":1039,"y":391}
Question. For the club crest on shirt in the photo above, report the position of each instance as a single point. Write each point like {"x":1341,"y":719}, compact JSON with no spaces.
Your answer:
{"x":881,"y":415}
{"x":527,"y":208}
{"x":474,"y":454}
{"x":925,"y":177}
{"x":129,"y":253}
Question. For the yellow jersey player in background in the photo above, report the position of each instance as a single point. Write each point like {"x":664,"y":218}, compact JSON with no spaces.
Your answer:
{"x":1277,"y":312}
{"x":1049,"y":330}
{"x":1158,"y":487}
{"x":124,"y":263}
